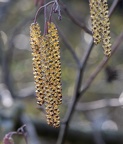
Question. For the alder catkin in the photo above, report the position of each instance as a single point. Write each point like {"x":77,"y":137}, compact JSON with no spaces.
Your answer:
{"x":95,"y":19}
{"x":49,"y":114}
{"x":105,"y":28}
{"x":56,"y":118}
{"x":53,"y":96}
{"x":54,"y":63}
{"x":52,"y":115}
{"x":47,"y":70}
{"x":100,"y":24}
{"x":35,"y":42}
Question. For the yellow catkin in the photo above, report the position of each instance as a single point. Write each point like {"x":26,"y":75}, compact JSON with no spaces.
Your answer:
{"x":95,"y":19}
{"x":52,"y":114}
{"x":47,"y":70}
{"x":101,"y":24}
{"x":53,"y":96}
{"x":45,"y":63}
{"x":35,"y":42}
{"x":54,"y":63}
{"x":48,"y":92}
{"x":49,"y":113}
{"x":56,"y":118}
{"x":105,"y":28}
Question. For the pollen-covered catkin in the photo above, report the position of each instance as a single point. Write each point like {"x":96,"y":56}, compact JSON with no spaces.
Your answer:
{"x":54,"y":63}
{"x":56,"y":118}
{"x":52,"y":112}
{"x":47,"y":70}
{"x":101,"y":24}
{"x":45,"y":67}
{"x":95,"y":19}
{"x":105,"y":28}
{"x":53,"y":96}
{"x":35,"y":41}
{"x":48,"y":93}
{"x":52,"y":115}
{"x":49,"y":114}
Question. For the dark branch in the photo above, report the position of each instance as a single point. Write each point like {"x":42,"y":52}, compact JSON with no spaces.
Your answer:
{"x":113,"y":7}
{"x":69,"y":47}
{"x":74,"y":20}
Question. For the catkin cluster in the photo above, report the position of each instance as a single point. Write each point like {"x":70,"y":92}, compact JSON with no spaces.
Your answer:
{"x":47,"y":70}
{"x":100,"y":24}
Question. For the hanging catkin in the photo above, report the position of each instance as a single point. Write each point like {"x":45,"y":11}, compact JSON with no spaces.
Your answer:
{"x":101,"y":24}
{"x":54,"y":76}
{"x":95,"y":19}
{"x":48,"y":91}
{"x":35,"y":41}
{"x":54,"y":63}
{"x":105,"y":28}
{"x":47,"y":70}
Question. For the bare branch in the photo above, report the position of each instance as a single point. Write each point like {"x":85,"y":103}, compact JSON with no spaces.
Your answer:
{"x":69,"y":47}
{"x":74,"y":20}
{"x":113,"y":6}
{"x":31,"y":132}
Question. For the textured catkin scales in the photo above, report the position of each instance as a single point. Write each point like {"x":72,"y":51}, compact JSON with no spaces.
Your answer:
{"x":35,"y":41}
{"x":54,"y":63}
{"x":101,"y":24}
{"x":48,"y":92}
{"x":54,"y":76}
{"x":52,"y":114}
{"x":95,"y":19}
{"x":47,"y":70}
{"x":105,"y":28}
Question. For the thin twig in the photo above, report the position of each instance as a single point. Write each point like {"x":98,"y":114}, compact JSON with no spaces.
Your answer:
{"x":69,"y":47}
{"x":57,"y":9}
{"x":74,"y":20}
{"x":35,"y":19}
{"x":32,"y":137}
{"x":8,"y":137}
{"x":113,"y":6}
{"x":51,"y":11}
{"x":45,"y":20}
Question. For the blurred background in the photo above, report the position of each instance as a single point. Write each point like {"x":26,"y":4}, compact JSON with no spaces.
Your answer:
{"x":100,"y":110}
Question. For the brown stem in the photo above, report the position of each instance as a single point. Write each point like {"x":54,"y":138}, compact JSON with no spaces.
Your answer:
{"x":74,"y":20}
{"x":35,"y":19}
